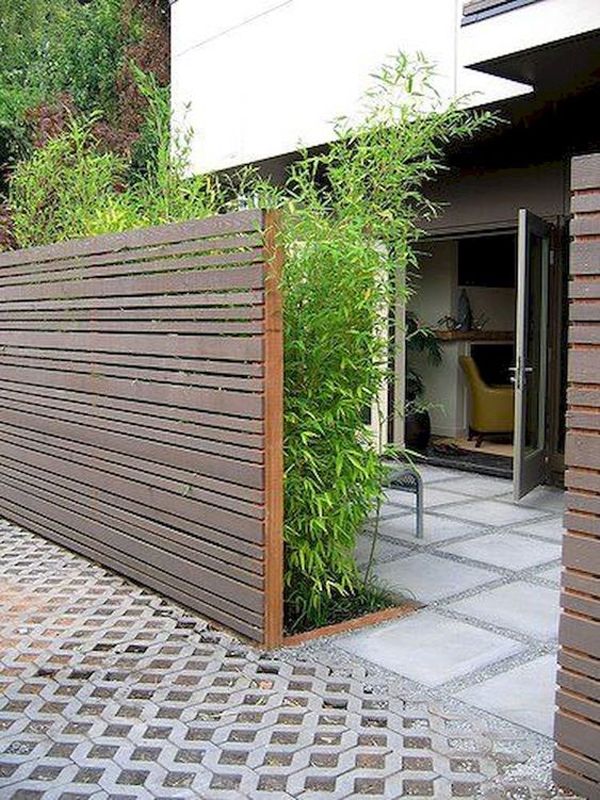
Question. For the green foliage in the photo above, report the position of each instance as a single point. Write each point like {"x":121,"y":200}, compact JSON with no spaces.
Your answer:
{"x":421,"y":344}
{"x":352,"y":217}
{"x":52,"y":46}
{"x":57,"y":52}
{"x":56,"y":194}
{"x":85,"y":53}
{"x":72,"y":188}
{"x":334,"y":287}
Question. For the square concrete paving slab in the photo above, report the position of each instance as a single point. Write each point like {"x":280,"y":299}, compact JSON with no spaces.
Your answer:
{"x":389,"y":510}
{"x":429,"y":648}
{"x":426,"y":577}
{"x":383,"y":550}
{"x":478,"y":486}
{"x":548,"y":498}
{"x":432,"y":496}
{"x":520,"y":606}
{"x":551,"y":574}
{"x":435,"y":474}
{"x":492,"y":512}
{"x":506,"y":550}
{"x":436,"y":528}
{"x":524,"y":694}
{"x":550,"y":528}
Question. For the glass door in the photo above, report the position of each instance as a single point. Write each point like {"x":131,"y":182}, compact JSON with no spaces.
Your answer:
{"x":530,"y":370}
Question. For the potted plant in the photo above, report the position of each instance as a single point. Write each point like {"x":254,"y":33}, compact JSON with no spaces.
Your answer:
{"x":421,"y":343}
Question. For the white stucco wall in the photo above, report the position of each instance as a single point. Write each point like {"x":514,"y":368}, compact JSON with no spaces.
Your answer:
{"x":262,"y":77}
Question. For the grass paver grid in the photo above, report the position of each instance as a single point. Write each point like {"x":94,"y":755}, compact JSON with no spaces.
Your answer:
{"x":109,"y":691}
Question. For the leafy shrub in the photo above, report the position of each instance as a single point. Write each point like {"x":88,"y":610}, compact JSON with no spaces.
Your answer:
{"x":72,"y":187}
{"x":57,"y":193}
{"x":352,"y":217}
{"x":52,"y":46}
{"x":65,"y":54}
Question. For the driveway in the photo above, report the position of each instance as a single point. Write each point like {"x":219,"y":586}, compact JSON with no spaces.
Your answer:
{"x":110,"y":691}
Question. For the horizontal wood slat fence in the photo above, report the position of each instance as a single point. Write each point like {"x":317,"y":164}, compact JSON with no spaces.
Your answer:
{"x":577,"y":731}
{"x":141,"y":409}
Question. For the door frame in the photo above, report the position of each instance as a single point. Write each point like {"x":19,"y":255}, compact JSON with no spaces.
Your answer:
{"x":556,"y":338}
{"x":529,"y":470}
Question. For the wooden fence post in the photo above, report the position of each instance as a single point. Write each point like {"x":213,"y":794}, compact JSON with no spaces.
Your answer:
{"x":273,"y":360}
{"x":577,"y":727}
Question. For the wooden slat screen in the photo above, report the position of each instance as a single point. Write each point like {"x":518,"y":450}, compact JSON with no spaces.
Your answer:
{"x":140,"y":396}
{"x":577,"y":731}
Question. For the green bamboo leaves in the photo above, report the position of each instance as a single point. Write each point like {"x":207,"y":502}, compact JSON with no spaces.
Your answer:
{"x":352,"y":216}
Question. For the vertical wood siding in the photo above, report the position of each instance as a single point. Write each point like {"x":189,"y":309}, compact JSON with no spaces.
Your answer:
{"x":140,"y":409}
{"x":577,"y":731}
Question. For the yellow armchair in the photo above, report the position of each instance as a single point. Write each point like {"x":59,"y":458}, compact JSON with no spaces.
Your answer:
{"x":491,"y":408}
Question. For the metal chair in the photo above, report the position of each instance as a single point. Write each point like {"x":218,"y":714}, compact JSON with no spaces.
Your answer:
{"x":407,"y":479}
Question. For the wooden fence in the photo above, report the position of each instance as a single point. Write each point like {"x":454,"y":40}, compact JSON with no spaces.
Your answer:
{"x":577,"y":731}
{"x":141,"y":409}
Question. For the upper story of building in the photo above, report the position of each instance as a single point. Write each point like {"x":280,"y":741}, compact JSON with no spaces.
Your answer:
{"x":261,"y":78}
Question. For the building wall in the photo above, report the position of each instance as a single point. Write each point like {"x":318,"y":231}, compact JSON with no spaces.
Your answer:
{"x":262,"y":77}
{"x":525,"y":28}
{"x":473,"y":200}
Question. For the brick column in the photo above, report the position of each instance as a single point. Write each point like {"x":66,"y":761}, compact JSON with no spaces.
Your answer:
{"x":577,"y":729}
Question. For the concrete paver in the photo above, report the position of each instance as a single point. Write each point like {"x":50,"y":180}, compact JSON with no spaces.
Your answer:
{"x":430,"y":648}
{"x":487,"y":566}
{"x":427,"y":577}
{"x":520,"y":606}
{"x":493,"y":512}
{"x":524,"y":694}
{"x":506,"y":550}
{"x":437,"y":528}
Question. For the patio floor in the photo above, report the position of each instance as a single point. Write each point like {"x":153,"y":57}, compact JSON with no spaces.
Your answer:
{"x":488,"y":570}
{"x":108,"y":690}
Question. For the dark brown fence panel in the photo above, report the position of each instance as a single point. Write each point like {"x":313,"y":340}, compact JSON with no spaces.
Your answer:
{"x":577,"y":731}
{"x":141,"y":409}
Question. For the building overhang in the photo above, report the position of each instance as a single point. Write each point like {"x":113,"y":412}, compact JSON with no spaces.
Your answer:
{"x":556,"y":69}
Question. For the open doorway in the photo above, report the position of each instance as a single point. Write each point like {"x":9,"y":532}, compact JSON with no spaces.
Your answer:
{"x":490,"y":308}
{"x":465,"y":298}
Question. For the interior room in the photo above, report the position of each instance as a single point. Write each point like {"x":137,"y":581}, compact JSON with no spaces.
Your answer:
{"x":464,"y":297}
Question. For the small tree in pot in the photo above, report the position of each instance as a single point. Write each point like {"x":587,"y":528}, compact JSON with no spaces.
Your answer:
{"x":421,"y":344}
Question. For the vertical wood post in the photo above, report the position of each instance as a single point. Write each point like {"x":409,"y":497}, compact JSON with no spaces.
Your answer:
{"x":577,"y":728}
{"x":399,"y":410}
{"x":274,"y":258}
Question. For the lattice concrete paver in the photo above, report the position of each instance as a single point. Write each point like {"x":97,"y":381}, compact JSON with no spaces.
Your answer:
{"x":109,"y":691}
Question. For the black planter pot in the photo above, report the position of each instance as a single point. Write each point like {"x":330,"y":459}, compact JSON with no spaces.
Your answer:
{"x":417,"y":430}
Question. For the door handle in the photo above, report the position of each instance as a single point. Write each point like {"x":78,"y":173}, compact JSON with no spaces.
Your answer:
{"x":518,"y":378}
